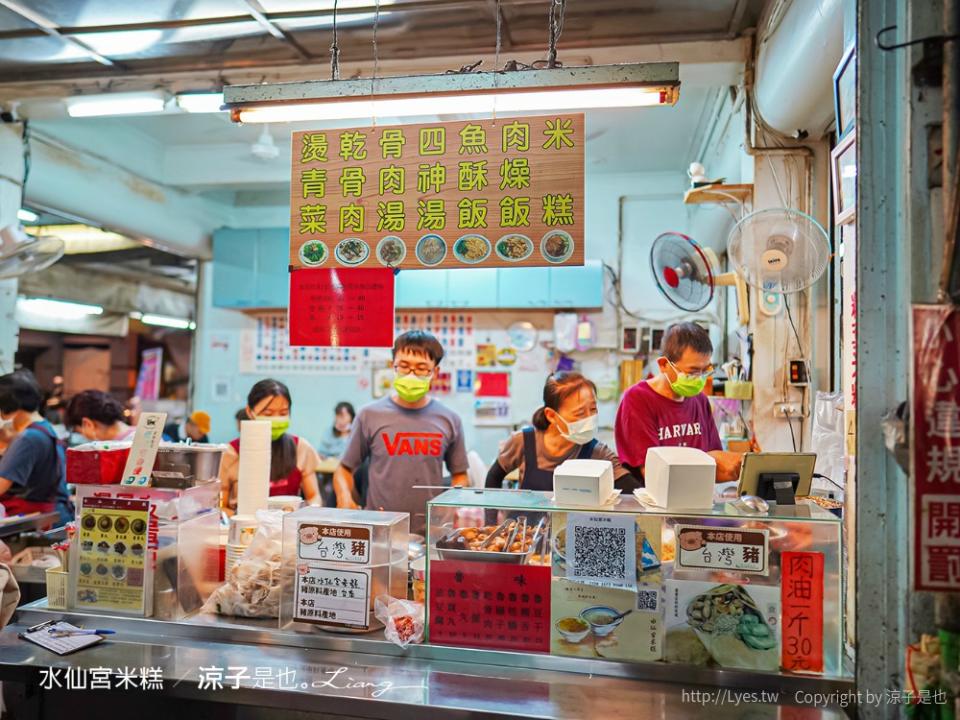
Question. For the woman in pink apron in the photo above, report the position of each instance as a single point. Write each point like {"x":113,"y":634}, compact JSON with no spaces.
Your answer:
{"x":293,"y":461}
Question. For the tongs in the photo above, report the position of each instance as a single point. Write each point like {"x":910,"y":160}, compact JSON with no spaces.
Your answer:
{"x":500,"y":528}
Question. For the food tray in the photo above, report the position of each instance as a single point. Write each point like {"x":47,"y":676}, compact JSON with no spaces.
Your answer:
{"x":492,"y":556}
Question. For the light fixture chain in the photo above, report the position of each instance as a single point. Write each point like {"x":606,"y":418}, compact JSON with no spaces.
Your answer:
{"x":554,"y":29}
{"x":376,"y":61}
{"x":496,"y":62}
{"x":334,"y":48}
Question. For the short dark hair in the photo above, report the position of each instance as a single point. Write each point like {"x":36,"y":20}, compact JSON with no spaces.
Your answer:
{"x":241,"y":414}
{"x":96,"y":405}
{"x":681,"y":336}
{"x":420,"y":342}
{"x":558,"y":387}
{"x":345,"y":406}
{"x":19,"y":391}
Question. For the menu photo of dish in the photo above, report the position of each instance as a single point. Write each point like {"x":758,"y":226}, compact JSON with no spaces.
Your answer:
{"x":726,"y":625}
{"x":597,"y":621}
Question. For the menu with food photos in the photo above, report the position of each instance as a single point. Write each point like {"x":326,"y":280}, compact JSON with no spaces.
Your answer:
{"x":112,"y":556}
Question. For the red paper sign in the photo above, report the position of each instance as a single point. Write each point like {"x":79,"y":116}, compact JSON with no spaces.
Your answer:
{"x":341,"y":308}
{"x":801,"y":602}
{"x":936,"y":448}
{"x":493,"y":384}
{"x":490,"y":605}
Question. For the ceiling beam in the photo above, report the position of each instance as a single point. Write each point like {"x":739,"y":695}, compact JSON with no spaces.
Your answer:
{"x":50,"y":28}
{"x":223,"y":68}
{"x":257,"y":13}
{"x":322,"y":17}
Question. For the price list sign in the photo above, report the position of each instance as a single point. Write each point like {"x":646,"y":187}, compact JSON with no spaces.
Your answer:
{"x":340,"y":308}
{"x":936,"y":448}
{"x":490,"y":605}
{"x":801,"y":588}
{"x":479,"y":193}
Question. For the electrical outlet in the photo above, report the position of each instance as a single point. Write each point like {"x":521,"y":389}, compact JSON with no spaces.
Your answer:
{"x":784,"y":410}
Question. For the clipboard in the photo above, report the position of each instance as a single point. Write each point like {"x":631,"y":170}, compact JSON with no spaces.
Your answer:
{"x":40,"y":635}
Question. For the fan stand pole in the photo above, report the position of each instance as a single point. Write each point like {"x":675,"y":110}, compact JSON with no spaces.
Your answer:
{"x":732,"y":279}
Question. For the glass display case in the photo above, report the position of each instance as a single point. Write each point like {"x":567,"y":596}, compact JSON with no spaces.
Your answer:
{"x":153,"y":552}
{"x":336,"y":563}
{"x":725,"y":587}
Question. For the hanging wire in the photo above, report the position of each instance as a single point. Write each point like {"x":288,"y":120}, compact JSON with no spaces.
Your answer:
{"x":555,"y":28}
{"x":334,"y":48}
{"x":376,"y":64}
{"x":496,"y":64}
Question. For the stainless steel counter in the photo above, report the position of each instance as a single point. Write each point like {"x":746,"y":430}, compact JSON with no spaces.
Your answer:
{"x":365,"y":676}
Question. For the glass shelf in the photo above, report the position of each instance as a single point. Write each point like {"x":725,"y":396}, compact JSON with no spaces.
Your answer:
{"x":543,"y":501}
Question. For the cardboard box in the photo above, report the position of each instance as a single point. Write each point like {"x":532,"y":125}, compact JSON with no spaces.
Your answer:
{"x":680,"y":477}
{"x":583,"y":482}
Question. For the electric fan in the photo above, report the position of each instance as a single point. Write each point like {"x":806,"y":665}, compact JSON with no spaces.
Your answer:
{"x":685,"y":274}
{"x":21,"y":253}
{"x":779,"y":250}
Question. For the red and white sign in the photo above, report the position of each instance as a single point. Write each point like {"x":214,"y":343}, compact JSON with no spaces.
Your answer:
{"x":801,"y":602}
{"x":341,"y":308}
{"x":490,"y":605}
{"x":935,"y":445}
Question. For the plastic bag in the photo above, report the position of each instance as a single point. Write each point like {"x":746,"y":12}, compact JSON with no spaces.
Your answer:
{"x":402,"y":619}
{"x":253,"y":586}
{"x":829,"y":439}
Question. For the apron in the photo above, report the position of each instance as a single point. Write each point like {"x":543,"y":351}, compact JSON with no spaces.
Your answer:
{"x":19,"y":506}
{"x":536,"y":478}
{"x":289,"y":485}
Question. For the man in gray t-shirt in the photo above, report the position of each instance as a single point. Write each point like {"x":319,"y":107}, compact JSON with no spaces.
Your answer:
{"x":407,"y":437}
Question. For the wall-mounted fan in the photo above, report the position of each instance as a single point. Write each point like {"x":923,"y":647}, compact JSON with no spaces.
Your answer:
{"x":779,"y":251}
{"x":21,"y":253}
{"x":686,"y":274}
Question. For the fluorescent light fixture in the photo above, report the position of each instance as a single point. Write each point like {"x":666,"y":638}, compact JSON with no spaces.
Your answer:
{"x":129,"y":103}
{"x":200,"y":102}
{"x":522,"y":91}
{"x":24,"y":215}
{"x":164,"y":321}
{"x":542,"y":101}
{"x":57,"y":308}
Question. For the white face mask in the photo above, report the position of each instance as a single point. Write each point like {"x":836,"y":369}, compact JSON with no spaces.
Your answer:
{"x":6,"y":423}
{"x":582,"y":431}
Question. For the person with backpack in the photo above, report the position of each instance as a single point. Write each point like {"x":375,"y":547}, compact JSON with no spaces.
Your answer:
{"x":33,"y":468}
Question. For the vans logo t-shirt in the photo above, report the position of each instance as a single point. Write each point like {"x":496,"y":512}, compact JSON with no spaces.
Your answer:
{"x":413,"y":443}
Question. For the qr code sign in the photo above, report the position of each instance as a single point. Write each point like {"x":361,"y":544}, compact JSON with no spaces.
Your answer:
{"x":648,"y":600}
{"x":600,"y":552}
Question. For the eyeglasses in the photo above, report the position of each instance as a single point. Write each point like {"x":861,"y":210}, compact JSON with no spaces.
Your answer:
{"x":703,"y":374}
{"x":421,"y":371}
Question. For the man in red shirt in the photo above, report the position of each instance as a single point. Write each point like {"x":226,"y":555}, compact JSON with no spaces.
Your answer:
{"x":670,"y":409}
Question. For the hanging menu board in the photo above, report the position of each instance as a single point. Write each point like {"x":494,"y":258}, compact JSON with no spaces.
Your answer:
{"x":480,"y":193}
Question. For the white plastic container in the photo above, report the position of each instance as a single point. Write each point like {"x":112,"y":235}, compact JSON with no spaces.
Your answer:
{"x":583,"y":482}
{"x":680,"y":477}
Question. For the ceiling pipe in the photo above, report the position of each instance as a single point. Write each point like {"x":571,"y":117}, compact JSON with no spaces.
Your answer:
{"x":795,"y":66}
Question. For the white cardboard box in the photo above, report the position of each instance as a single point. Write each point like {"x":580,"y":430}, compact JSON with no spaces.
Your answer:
{"x":583,"y":482}
{"x":680,"y":477}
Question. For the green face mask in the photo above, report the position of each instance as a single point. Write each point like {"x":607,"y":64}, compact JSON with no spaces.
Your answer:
{"x":278,"y":426}
{"x":687,"y":386}
{"x":411,"y":388}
